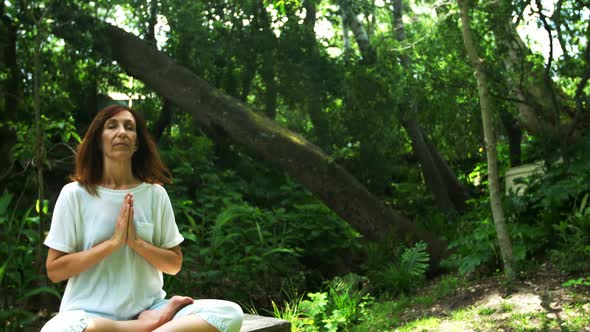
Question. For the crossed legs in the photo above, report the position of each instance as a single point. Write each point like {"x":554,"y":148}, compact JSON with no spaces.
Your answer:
{"x":175,"y":315}
{"x":159,"y":320}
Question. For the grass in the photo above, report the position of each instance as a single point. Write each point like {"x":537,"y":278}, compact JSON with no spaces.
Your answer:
{"x":453,"y":304}
{"x":571,"y":310}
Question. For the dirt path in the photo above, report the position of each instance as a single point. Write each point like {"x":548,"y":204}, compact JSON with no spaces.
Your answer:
{"x":538,"y":303}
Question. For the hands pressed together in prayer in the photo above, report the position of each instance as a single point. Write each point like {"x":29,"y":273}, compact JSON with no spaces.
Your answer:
{"x":125,"y":228}
{"x":168,"y":260}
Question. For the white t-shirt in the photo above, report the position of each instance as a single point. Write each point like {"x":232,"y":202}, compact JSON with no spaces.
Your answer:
{"x":124,"y":283}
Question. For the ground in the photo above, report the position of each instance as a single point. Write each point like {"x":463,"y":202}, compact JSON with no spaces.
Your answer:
{"x":537,"y":302}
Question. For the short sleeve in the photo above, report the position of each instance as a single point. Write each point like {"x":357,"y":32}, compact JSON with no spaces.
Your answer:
{"x":62,"y":233}
{"x":169,"y":234}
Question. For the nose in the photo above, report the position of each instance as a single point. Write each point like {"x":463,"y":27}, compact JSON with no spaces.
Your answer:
{"x":121,"y":131}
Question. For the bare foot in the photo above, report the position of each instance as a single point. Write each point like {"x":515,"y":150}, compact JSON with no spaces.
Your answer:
{"x":163,"y":315}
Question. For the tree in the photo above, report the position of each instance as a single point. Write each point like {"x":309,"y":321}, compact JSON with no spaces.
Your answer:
{"x":212,"y":108}
{"x":492,"y":156}
{"x":544,"y":107}
{"x":448,"y":192}
{"x":10,"y":85}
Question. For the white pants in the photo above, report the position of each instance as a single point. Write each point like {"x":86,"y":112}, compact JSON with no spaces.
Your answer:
{"x":224,"y":315}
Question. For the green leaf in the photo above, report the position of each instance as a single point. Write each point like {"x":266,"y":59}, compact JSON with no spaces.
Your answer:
{"x":280,"y":250}
{"x":415,"y":260}
{"x":190,"y":236}
{"x":40,"y":290}
{"x":3,"y":269}
{"x":45,"y":206}
{"x":5,"y":200}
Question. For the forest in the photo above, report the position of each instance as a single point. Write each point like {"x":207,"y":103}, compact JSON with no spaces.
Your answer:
{"x":346,"y":165}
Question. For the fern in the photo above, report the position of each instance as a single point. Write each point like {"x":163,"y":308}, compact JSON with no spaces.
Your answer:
{"x":414,"y":261}
{"x":407,"y":272}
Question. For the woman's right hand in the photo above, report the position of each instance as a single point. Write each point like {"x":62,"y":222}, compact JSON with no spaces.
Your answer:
{"x":119,"y":238}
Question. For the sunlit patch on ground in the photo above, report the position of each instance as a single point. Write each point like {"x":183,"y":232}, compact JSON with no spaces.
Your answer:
{"x":540,"y":303}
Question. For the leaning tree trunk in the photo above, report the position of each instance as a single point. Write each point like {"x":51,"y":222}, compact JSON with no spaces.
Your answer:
{"x":432,"y":176}
{"x":297,"y":157}
{"x":492,"y":158}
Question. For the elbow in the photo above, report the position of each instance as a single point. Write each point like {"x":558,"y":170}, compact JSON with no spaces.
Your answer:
{"x":173,"y":272}
{"x":176,"y":262}
{"x":52,"y":275}
{"x":175,"y":267}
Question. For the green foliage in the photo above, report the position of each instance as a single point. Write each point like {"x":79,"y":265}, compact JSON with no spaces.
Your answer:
{"x":402,"y":275}
{"x":56,"y":133}
{"x":577,"y":282}
{"x":474,"y":244}
{"x":574,"y":236}
{"x":552,"y":218}
{"x":556,"y":204}
{"x":20,"y":280}
{"x":250,"y":230}
{"x":290,"y":311}
{"x":248,"y":237}
{"x":338,"y":307}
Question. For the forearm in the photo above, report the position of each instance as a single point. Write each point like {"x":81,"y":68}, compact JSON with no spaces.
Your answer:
{"x":168,"y":261}
{"x":69,"y":265}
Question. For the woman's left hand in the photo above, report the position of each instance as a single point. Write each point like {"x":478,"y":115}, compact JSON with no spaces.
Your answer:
{"x":131,"y":232}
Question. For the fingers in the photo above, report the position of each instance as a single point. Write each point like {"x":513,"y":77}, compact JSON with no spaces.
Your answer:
{"x":122,"y":224}
{"x":127,"y":206}
{"x":130,"y":199}
{"x":130,"y":224}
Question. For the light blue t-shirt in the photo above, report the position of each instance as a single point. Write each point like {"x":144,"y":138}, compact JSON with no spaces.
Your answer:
{"x":124,"y":283}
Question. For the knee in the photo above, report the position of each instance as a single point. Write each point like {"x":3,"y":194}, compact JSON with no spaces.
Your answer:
{"x":68,"y":321}
{"x":226,"y":316}
{"x":235,"y":317}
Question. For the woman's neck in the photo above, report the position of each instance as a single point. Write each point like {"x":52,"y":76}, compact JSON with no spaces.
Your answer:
{"x":118,"y":176}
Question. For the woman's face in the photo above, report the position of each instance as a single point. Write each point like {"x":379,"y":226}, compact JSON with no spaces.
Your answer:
{"x":119,"y":136}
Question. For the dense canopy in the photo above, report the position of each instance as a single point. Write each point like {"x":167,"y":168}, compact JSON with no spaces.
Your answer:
{"x":309,"y":139}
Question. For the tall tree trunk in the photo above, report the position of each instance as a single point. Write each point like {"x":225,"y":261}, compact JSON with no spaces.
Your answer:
{"x":248,"y":75}
{"x":267,"y":72}
{"x":164,"y":120}
{"x":165,"y":117}
{"x":39,"y":154}
{"x":150,"y":35}
{"x":297,"y":157}
{"x":362,"y":38}
{"x":313,"y":100}
{"x":345,"y":38}
{"x":514,"y":134}
{"x":492,"y":158}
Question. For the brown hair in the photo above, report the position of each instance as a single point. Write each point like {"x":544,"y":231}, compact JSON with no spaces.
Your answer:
{"x":145,"y":163}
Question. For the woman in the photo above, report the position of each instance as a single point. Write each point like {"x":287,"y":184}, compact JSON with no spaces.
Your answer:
{"x":113,"y":234}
